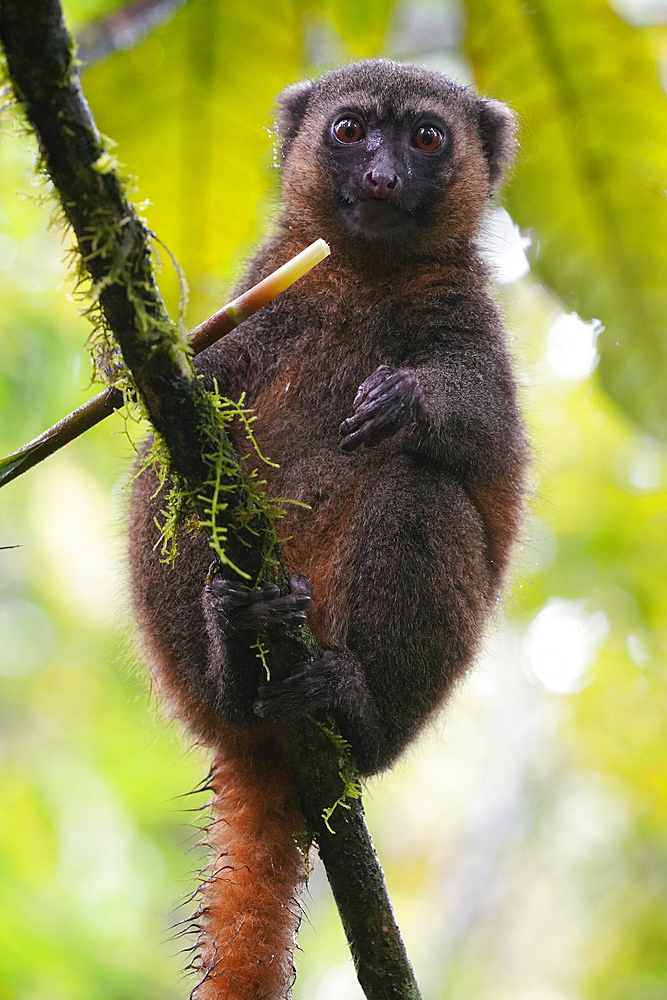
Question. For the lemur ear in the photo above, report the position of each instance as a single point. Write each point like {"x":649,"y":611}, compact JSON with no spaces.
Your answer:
{"x":292,"y":105}
{"x":498,"y":129}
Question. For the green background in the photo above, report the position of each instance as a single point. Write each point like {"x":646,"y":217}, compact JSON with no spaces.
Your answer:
{"x":524,"y":836}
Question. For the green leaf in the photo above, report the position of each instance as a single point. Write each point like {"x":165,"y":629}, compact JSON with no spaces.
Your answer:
{"x":590,"y":181}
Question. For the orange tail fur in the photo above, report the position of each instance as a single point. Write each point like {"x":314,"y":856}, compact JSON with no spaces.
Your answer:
{"x":250,"y":911}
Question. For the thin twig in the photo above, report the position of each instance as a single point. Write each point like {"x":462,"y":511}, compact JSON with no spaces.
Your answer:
{"x":123,"y":28}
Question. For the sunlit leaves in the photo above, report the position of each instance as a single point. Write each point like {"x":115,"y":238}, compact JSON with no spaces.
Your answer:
{"x":591,"y":179}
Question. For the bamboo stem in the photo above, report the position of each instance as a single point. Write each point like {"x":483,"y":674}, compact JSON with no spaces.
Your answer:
{"x":203,"y":336}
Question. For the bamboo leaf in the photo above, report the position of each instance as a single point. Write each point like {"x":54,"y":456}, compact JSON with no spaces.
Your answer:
{"x":11,"y":465}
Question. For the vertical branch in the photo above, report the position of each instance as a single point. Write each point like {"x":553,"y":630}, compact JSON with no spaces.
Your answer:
{"x":114,"y":246}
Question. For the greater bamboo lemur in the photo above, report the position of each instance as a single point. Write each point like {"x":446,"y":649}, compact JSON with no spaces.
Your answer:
{"x":382,"y":384}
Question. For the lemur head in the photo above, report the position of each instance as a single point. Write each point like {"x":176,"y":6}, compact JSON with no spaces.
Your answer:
{"x":386,"y":152}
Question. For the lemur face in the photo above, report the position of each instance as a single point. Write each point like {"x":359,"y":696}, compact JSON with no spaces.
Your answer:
{"x":392,"y":152}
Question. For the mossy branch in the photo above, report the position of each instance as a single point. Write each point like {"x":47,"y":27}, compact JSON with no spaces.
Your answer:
{"x":114,"y":245}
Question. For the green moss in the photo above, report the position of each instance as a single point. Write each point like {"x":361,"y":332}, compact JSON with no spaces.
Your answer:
{"x":348,"y":773}
{"x":262,"y":652}
{"x":351,"y":790}
{"x":255,"y":514}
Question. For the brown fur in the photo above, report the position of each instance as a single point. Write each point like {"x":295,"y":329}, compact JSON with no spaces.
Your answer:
{"x":406,"y":541}
{"x":251,"y":912}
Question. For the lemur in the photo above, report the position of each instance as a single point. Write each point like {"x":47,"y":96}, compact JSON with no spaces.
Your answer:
{"x":382,"y":385}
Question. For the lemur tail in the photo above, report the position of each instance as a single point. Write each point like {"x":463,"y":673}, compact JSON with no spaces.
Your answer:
{"x":249,"y":911}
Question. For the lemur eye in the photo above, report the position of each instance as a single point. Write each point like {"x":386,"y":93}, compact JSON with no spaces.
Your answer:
{"x":348,"y":130}
{"x":428,"y":138}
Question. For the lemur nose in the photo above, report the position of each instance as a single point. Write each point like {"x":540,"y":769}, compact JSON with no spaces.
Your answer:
{"x":382,"y":184}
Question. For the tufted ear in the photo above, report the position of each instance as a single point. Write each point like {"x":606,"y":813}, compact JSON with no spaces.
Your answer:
{"x":292,"y":104}
{"x":498,"y":129}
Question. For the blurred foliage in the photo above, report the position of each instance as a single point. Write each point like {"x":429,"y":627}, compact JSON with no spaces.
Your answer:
{"x":525,"y":839}
{"x":201,"y":83}
{"x":592,"y":184}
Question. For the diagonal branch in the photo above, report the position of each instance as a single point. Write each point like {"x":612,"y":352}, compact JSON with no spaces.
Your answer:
{"x":114,"y":244}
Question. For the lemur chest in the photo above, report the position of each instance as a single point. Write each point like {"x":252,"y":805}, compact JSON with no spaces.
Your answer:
{"x":298,"y":412}
{"x":297,"y":429}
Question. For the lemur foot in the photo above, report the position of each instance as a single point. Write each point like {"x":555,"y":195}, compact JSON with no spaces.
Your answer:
{"x":265,"y":607}
{"x":387,"y":400}
{"x":309,"y":688}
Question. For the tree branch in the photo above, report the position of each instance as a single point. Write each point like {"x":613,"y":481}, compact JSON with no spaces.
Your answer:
{"x":114,"y":245}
